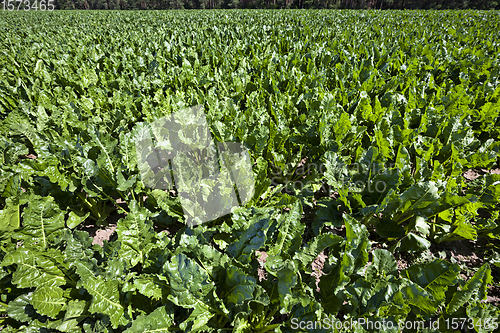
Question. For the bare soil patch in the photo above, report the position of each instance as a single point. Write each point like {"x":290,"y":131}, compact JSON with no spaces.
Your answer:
{"x":261,"y":258}
{"x":100,"y":234}
{"x":317,"y":267}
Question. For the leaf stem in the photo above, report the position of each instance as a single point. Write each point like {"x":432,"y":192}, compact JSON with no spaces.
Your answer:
{"x":269,"y":328}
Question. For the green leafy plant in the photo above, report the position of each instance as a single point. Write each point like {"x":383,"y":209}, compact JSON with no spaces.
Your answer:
{"x":374,"y":145}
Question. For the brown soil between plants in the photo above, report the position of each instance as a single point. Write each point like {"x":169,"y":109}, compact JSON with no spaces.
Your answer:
{"x":261,"y":258}
{"x":474,"y":174}
{"x":101,"y":234}
{"x":317,"y":267}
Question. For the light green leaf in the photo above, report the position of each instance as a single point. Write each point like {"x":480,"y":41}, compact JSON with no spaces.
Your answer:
{"x":73,"y":315}
{"x":105,"y":299}
{"x":34,"y":269}
{"x":48,"y":301}
{"x":9,"y":216}
{"x":75,"y":220}
{"x":136,"y":235}
{"x":157,"y":321}
{"x":43,"y":221}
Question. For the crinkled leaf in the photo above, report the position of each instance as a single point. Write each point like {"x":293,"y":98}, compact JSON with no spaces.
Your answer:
{"x":48,"y":301}
{"x":417,"y":297}
{"x":9,"y":216}
{"x":188,"y":281}
{"x":290,"y":233}
{"x":314,"y":247}
{"x":105,"y":298}
{"x":135,"y":232}
{"x":252,"y":238}
{"x":34,"y":269}
{"x":160,"y":320}
{"x":43,"y":221}
{"x":21,"y":309}
{"x":73,"y":315}
{"x":239,"y":286}
{"x":435,"y":277}
{"x":473,"y":290}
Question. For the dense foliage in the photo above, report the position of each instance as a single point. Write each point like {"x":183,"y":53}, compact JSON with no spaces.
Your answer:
{"x":360,"y":126}
{"x":276,"y":4}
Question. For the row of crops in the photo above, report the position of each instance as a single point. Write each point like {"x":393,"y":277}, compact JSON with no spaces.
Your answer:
{"x":359,"y":126}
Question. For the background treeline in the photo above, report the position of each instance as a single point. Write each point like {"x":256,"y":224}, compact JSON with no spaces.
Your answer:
{"x":334,"y":4}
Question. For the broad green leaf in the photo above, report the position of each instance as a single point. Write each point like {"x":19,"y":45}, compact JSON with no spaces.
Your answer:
{"x":75,"y":219}
{"x":135,"y":233}
{"x":160,"y":320}
{"x":240,"y":286}
{"x":435,"y":277}
{"x":188,"y":281}
{"x":473,"y":290}
{"x":198,"y":319}
{"x":72,"y":316}
{"x":9,"y":216}
{"x":48,"y":301}
{"x":308,"y":253}
{"x":21,"y":309}
{"x":417,"y":297}
{"x":484,"y":317}
{"x":290,"y":232}
{"x":106,"y":299}
{"x":252,"y":237}
{"x":357,"y":245}
{"x":287,"y":279}
{"x":151,"y":285}
{"x":383,"y":264}
{"x":412,"y":243}
{"x":34,"y":269}
{"x":43,"y":222}
{"x":326,"y":215}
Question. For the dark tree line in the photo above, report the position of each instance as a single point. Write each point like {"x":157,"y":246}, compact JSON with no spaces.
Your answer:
{"x":333,"y":4}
